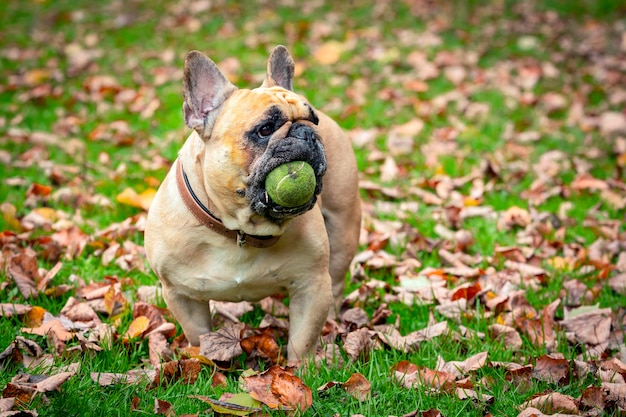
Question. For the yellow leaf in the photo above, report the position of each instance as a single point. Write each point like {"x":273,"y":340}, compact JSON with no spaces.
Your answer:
{"x":37,"y":76}
{"x":146,"y":198}
{"x":47,"y":213}
{"x":471,"y":202}
{"x":9,"y":212}
{"x":131,"y":198}
{"x":559,"y":262}
{"x":109,"y":300}
{"x":329,"y":53}
{"x":137,"y":327}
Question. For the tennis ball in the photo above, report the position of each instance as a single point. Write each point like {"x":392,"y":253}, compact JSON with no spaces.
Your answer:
{"x":291,"y":184}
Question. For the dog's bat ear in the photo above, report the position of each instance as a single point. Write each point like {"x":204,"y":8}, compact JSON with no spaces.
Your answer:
{"x":205,"y":89}
{"x":280,"y":69}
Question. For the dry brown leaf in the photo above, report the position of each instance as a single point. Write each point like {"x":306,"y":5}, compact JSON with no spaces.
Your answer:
{"x":410,"y":375}
{"x":553,"y":369}
{"x":80,"y":312}
{"x":274,"y":306}
{"x":586,"y":181}
{"x":514,"y":216}
{"x":53,"y":382}
{"x":458,"y":368}
{"x":6,"y":404}
{"x":131,"y":377}
{"x":618,"y":283}
{"x":616,"y":393}
{"x":612,"y":122}
{"x":23,"y":270}
{"x":592,"y":328}
{"x":355,"y":318}
{"x":466,"y":393}
{"x":164,"y":408}
{"x":158,"y":348}
{"x":534,"y":412}
{"x":185,"y":371}
{"x":9,"y":310}
{"x":358,"y":343}
{"x":278,"y":388}
{"x":593,"y":398}
{"x":358,"y":386}
{"x":49,"y":276}
{"x":223,"y":344}
{"x":263,"y":344}
{"x":554,"y":403}
{"x":53,"y":325}
{"x":511,"y":339}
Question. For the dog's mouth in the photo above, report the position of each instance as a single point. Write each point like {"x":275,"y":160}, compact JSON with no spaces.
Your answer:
{"x":293,"y":142}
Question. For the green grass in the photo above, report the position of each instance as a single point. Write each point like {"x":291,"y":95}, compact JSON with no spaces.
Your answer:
{"x":132,"y":39}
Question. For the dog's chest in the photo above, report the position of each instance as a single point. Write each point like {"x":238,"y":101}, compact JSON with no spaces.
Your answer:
{"x":237,"y":274}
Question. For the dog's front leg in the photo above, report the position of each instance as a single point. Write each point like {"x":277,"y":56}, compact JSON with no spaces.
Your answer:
{"x":308,"y":310}
{"x":194,"y":316}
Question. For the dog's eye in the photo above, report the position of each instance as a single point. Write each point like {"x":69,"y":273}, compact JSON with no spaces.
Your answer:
{"x":266,"y":130}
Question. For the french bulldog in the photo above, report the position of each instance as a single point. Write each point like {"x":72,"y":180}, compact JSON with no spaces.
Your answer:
{"x":212,"y":232}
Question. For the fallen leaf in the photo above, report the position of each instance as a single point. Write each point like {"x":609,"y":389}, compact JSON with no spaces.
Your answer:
{"x":278,"y":388}
{"x":238,"y":405}
{"x":358,"y":343}
{"x":553,"y":403}
{"x":358,"y":386}
{"x":511,"y":339}
{"x":53,"y":325}
{"x":552,"y":369}
{"x":223,"y":344}
{"x":184,"y":371}
{"x":23,"y":270}
{"x":137,"y":327}
{"x":10,"y":310}
{"x":466,"y":393}
{"x":164,"y":408}
{"x":329,"y":52}
{"x":132,"y":377}
{"x":592,"y":328}
{"x":458,"y":368}
{"x":615,"y":392}
{"x":131,"y":198}
{"x":263,"y":344}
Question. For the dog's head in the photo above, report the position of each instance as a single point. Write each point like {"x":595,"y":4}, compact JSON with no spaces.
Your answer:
{"x":248,"y":133}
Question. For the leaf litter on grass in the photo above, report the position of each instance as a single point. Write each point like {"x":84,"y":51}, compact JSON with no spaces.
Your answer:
{"x":554,"y":145}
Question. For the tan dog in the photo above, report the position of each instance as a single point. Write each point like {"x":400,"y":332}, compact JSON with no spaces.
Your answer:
{"x":213,"y":233}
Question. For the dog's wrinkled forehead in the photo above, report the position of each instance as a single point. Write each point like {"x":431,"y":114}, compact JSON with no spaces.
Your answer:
{"x":271,"y":104}
{"x":296,"y":105}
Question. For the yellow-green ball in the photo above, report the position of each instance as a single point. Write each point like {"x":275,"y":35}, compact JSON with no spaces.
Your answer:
{"x":291,"y":184}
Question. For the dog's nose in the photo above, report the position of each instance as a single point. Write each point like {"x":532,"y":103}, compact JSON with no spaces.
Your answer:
{"x":302,"y":131}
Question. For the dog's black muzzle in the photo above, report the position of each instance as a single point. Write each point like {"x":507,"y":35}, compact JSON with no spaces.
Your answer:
{"x":292,"y":142}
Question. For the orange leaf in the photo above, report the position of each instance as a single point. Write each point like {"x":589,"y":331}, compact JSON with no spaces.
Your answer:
{"x":329,"y":53}
{"x":137,"y":327}
{"x":39,"y":190}
{"x":109,"y":300}
{"x":279,"y":389}
{"x":35,"y":316}
{"x":131,"y":198}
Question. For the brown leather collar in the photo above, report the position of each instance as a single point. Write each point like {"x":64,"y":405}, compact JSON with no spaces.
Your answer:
{"x":204,"y":216}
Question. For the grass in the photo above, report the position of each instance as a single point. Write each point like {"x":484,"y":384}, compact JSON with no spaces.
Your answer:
{"x":133,"y":40}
